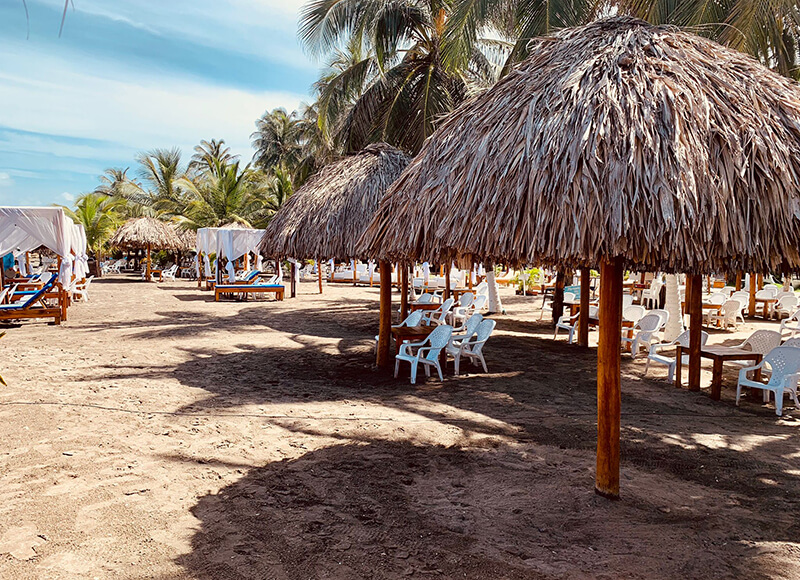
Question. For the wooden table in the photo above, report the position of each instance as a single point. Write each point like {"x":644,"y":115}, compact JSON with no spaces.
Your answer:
{"x":718,"y":354}
{"x":457,"y":292}
{"x":424,"y":306}
{"x":410,"y":334}
{"x":764,"y":309}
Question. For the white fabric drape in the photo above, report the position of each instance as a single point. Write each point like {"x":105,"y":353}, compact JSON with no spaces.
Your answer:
{"x":426,"y":272}
{"x":21,"y":266}
{"x":259,"y":262}
{"x":25,"y":228}
{"x":207,"y":266}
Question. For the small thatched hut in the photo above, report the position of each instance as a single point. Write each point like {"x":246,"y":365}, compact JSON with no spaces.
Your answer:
{"x":618,"y":144}
{"x":146,"y":233}
{"x":325,"y":217}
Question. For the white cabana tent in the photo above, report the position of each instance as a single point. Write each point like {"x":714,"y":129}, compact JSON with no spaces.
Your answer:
{"x":228,"y":243}
{"x":23,"y":229}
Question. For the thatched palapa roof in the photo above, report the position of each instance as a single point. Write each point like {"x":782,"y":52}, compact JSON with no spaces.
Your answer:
{"x":326,"y":216}
{"x":614,"y":139}
{"x":187,"y":239}
{"x":146,"y":231}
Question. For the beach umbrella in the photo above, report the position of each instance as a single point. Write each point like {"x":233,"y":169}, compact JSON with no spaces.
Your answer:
{"x":325,"y":217}
{"x":618,"y":144}
{"x":146,"y":233}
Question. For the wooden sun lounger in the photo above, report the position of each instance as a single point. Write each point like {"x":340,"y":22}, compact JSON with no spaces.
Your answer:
{"x":221,"y":289}
{"x":34,"y":307}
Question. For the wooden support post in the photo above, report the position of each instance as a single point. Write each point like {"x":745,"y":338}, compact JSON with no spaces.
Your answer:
{"x":355,"y":272}
{"x":738,"y":280}
{"x":695,"y":307}
{"x":469,"y":276}
{"x":558,"y":295}
{"x":385,"y":328}
{"x":608,"y":379}
{"x":751,"y":310}
{"x":403,"y":290}
{"x":147,"y":266}
{"x":447,"y":283}
{"x":293,"y":286}
{"x":583,"y":319}
{"x":761,"y":281}
{"x":319,"y":274}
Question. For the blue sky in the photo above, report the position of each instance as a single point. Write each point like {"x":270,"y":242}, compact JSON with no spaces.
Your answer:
{"x":133,"y":75}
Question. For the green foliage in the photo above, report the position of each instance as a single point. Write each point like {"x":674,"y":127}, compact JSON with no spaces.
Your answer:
{"x":529,"y":276}
{"x":100,"y":215}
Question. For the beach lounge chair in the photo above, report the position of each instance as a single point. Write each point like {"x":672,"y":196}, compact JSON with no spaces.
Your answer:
{"x":221,"y":289}
{"x":33,"y":306}
{"x":427,"y":352}
{"x":472,"y":347}
{"x":671,"y":361}
{"x":784,"y":364}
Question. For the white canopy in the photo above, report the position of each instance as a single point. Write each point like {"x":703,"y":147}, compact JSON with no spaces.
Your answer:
{"x":23,"y":229}
{"x":232,"y":243}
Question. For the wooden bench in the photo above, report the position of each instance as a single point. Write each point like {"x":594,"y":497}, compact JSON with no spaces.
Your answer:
{"x":221,"y":289}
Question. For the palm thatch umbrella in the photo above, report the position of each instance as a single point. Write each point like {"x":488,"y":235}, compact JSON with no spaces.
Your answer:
{"x":619,"y":144}
{"x":187,"y":239}
{"x":146,"y":233}
{"x":325,"y":217}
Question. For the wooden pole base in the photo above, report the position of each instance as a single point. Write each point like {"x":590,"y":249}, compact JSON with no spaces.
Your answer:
{"x":608,"y":379}
{"x":383,"y":359}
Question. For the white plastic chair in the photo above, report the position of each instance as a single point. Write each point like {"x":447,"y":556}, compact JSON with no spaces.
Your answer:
{"x":770,"y":290}
{"x":464,"y":308}
{"x":662,"y":314}
{"x":671,"y":362}
{"x":481,"y":301}
{"x":728,"y":314}
{"x":568,"y":297}
{"x":744,"y":300}
{"x":785,"y":306}
{"x":412,"y":319}
{"x":762,"y":342}
{"x":634,"y":313}
{"x":468,"y":329}
{"x":784,"y":365}
{"x":792,"y":342}
{"x":170,"y":273}
{"x":727,"y":291}
{"x":644,"y":333}
{"x":427,"y":352}
{"x":627,"y":300}
{"x":438,"y":316}
{"x":653,"y":294}
{"x":570,"y":323}
{"x":717,"y":298}
{"x":792,"y":324}
{"x":472,"y":348}
{"x":81,"y":291}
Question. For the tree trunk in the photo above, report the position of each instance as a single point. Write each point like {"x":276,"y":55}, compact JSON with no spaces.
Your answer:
{"x":495,"y":304}
{"x":673,"y":306}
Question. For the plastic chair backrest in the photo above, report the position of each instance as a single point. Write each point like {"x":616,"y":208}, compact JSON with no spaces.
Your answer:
{"x":728,"y":290}
{"x":479,"y":302}
{"x":466,"y":300}
{"x":717,"y":298}
{"x":788,"y":302}
{"x":482,"y":288}
{"x":783,"y":361}
{"x":413,"y":319}
{"x":649,"y":323}
{"x":627,"y":300}
{"x":763,"y":341}
{"x":438,"y":339}
{"x":792,"y":342}
{"x":763,"y":294}
{"x":663,"y":314}
{"x":569,"y":297}
{"x":730,"y":306}
{"x":634,"y":313}
{"x":771,"y":290}
{"x":425,"y":298}
{"x":482,"y":334}
{"x":446,"y":306}
{"x":472,"y":325}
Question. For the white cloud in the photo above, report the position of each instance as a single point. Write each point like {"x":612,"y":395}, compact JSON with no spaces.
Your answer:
{"x":68,"y":196}
{"x":5,"y":180}
{"x":127,"y":108}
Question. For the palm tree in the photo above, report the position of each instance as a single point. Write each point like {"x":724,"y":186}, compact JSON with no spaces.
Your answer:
{"x":227,"y":194}
{"x":210,"y":155}
{"x":100,"y":215}
{"x":277,"y":140}
{"x":391,"y":82}
{"x":767,"y":30}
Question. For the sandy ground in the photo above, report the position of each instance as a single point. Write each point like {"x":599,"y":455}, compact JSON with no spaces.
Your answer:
{"x":158,"y":434}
